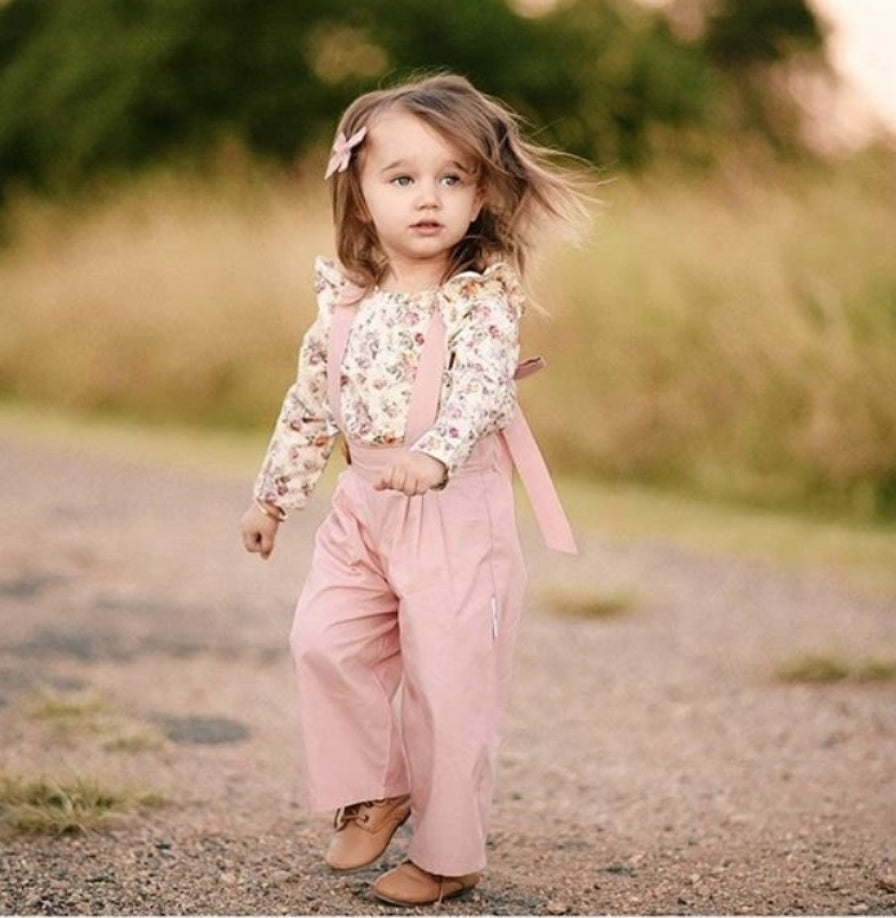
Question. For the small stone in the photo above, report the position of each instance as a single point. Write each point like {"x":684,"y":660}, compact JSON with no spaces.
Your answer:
{"x":860,"y":908}
{"x":227,"y":878}
{"x":887,"y":882}
{"x":556,"y":907}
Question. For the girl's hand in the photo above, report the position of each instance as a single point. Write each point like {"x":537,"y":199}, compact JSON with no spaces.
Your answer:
{"x":259,"y":532}
{"x":413,"y":474}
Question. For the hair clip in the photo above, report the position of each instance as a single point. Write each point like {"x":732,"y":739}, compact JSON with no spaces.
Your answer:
{"x":342,"y":152}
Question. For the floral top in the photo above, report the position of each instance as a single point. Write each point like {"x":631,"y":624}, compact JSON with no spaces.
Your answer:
{"x":481,"y":314}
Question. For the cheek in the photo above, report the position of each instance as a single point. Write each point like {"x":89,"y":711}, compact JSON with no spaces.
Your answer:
{"x":372,"y":207}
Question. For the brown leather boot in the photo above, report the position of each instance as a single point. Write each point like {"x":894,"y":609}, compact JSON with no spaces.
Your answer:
{"x":364,"y":830}
{"x":408,"y":884}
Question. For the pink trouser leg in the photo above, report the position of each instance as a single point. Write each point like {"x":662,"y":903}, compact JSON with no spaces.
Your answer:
{"x":345,"y":648}
{"x":461,"y":594}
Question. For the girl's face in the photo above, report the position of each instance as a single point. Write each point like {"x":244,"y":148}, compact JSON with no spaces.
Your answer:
{"x":421,"y":194}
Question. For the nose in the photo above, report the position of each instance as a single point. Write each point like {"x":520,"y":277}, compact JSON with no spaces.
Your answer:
{"x":428,"y":194}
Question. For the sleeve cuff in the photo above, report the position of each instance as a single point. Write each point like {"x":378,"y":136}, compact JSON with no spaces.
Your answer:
{"x":435,"y":447}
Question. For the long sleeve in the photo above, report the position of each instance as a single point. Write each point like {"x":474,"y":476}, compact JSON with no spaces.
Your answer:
{"x":483,"y":353}
{"x":304,"y":433}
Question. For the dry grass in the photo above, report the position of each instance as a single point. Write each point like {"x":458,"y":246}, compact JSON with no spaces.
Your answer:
{"x":825,"y":668}
{"x":581,"y":602}
{"x":48,"y":806}
{"x":69,"y":713}
{"x":737,"y":338}
{"x":740,"y":341}
{"x":78,"y":715}
{"x":172,"y":301}
{"x":862,"y":552}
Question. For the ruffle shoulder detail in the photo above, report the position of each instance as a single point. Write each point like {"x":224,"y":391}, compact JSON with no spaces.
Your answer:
{"x":329,"y":283}
{"x":498,"y":281}
{"x":333,"y":286}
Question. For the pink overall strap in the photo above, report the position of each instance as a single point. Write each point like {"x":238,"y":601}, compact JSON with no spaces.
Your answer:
{"x":424,"y":404}
{"x":539,"y":487}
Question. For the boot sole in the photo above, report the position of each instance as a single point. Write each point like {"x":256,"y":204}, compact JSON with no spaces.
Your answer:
{"x":407,"y":904}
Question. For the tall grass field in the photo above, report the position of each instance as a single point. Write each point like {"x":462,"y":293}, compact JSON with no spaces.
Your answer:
{"x":732,"y":336}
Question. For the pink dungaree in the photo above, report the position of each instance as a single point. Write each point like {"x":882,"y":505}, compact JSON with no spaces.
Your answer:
{"x":422,"y":591}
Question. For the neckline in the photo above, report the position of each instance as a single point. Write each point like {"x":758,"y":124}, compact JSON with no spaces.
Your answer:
{"x":431,"y":291}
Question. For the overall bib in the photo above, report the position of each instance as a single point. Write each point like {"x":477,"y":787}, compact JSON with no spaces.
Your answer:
{"x":424,"y":592}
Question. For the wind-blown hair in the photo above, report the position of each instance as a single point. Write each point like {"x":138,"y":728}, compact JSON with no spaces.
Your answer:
{"x":523,"y":188}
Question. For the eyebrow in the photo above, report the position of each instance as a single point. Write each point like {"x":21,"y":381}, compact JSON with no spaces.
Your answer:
{"x":402,"y":164}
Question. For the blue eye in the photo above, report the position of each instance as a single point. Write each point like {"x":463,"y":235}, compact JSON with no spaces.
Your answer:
{"x":403,"y":181}
{"x":451,"y":180}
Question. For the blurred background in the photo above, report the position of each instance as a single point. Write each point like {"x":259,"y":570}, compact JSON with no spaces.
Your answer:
{"x":727,"y":330}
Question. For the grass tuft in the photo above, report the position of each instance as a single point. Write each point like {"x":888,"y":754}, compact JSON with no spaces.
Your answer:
{"x":813,"y":668}
{"x":47,"y":806}
{"x":876,"y":670}
{"x":582,"y":603}
{"x":827,"y":668}
{"x":139,"y":739}
{"x":69,"y":713}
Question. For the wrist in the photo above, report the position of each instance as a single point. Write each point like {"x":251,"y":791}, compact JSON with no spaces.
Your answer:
{"x":441,"y":470}
{"x":272,"y":511}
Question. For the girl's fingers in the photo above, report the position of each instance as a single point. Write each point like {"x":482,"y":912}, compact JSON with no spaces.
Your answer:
{"x":407,"y":481}
{"x":258,"y":543}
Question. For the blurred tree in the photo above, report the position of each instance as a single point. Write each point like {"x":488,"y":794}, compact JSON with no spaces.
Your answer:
{"x":625,"y":78}
{"x":741,"y":34}
{"x":104,"y":83}
{"x":762,"y":53}
{"x":92,"y":85}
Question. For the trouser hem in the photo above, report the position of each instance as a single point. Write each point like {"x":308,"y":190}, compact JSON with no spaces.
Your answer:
{"x":324,"y":803}
{"x":446,"y":868}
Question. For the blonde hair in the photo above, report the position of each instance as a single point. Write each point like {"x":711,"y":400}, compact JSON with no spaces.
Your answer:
{"x":524,"y":189}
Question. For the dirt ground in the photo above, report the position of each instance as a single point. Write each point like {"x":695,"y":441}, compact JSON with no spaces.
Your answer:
{"x":653,"y":763}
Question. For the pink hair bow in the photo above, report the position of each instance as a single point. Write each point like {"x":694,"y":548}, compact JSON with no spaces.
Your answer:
{"x":342,"y":152}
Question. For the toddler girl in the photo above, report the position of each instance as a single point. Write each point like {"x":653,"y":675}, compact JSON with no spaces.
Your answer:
{"x":417,"y":576}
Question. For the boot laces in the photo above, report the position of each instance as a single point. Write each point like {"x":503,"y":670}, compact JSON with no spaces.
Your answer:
{"x":356,"y":812}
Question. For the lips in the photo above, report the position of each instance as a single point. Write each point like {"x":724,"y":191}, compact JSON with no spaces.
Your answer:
{"x":426,"y":226}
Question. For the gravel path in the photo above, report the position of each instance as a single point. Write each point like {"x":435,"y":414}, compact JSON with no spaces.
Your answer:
{"x":652,"y":762}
